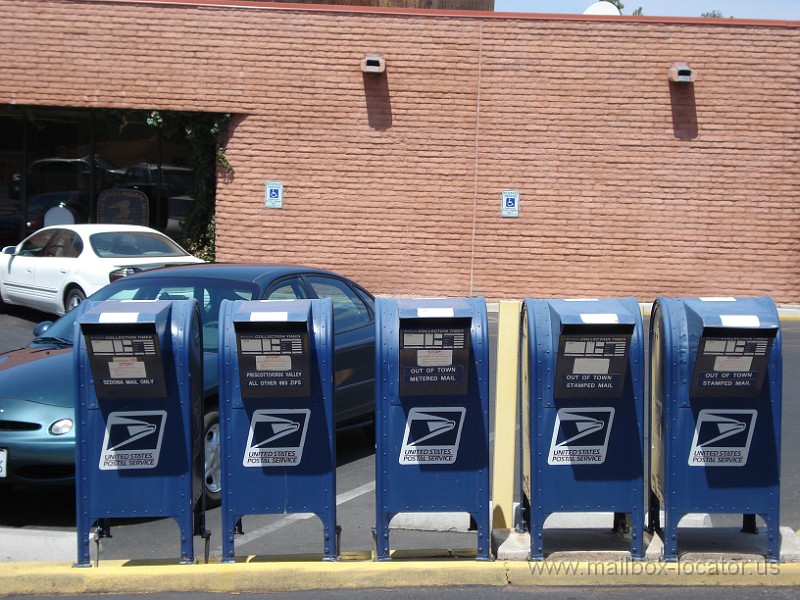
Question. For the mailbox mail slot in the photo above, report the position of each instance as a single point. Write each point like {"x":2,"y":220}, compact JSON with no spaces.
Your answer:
{"x":277,"y":414}
{"x":432,"y":412}
{"x":715,"y":372}
{"x":583,"y":413}
{"x":139,"y":369}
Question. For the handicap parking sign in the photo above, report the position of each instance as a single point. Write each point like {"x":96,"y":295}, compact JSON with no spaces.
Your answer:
{"x":274,"y":194}
{"x":510,"y":203}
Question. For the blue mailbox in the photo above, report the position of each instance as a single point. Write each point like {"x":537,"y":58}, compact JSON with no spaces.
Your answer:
{"x":583,"y":413}
{"x":139,"y":434}
{"x":432,"y":412}
{"x":277,"y":414}
{"x":715,"y":382}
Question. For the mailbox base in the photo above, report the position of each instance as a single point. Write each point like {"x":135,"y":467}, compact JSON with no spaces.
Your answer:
{"x":623,"y":522}
{"x":479,"y":520}
{"x":190,"y":525}
{"x":672,"y":517}
{"x":332,"y":533}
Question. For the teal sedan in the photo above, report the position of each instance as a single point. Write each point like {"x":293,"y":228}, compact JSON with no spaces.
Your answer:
{"x":37,"y":439}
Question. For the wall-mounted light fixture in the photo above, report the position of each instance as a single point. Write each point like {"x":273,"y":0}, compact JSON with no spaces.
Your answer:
{"x":373,"y":63}
{"x":681,"y":72}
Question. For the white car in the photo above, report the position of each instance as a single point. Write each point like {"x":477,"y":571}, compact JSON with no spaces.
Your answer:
{"x":56,"y":268}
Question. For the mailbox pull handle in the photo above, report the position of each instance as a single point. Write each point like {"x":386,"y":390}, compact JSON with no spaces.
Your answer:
{"x":200,"y":529}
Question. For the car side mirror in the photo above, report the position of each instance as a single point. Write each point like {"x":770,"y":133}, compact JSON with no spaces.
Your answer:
{"x":41,"y":327}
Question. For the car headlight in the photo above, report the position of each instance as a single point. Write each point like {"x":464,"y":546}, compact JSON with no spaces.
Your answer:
{"x":61,"y":427}
{"x":123,"y":272}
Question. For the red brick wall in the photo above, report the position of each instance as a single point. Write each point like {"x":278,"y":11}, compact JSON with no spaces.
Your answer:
{"x":628,"y":186}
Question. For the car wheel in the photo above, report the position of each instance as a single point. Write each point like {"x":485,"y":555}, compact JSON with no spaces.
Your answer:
{"x":213,"y":461}
{"x":74,"y":297}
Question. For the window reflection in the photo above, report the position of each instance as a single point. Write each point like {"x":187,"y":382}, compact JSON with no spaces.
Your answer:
{"x":67,"y":158}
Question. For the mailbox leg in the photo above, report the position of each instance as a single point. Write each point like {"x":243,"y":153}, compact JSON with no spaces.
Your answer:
{"x":637,"y":533}
{"x":536,"y":529}
{"x":773,"y":537}
{"x":330,"y":534}
{"x":84,"y":552}
{"x":484,"y":543}
{"x":670,"y":537}
{"x":186,"y":524}
{"x":382,"y":536}
{"x":230,"y":526}
{"x":83,"y":521}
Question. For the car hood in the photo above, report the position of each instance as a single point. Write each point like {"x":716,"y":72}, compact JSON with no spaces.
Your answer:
{"x":39,"y":374}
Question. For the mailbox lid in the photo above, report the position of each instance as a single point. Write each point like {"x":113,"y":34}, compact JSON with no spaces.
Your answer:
{"x":440,"y":308}
{"x":439,"y":339}
{"x":272,"y":311}
{"x":734,"y":313}
{"x":120,"y":312}
{"x":591,"y":311}
{"x":733,"y":345}
{"x":592,"y":345}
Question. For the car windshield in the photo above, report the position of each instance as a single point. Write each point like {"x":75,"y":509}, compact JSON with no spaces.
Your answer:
{"x":129,"y":244}
{"x":209,"y":293}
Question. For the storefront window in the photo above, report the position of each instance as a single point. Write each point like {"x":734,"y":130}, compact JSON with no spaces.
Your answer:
{"x":73,"y":158}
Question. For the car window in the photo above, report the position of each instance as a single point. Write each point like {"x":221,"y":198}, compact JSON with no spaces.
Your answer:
{"x":77,"y":246}
{"x":131,"y":244}
{"x":210,"y":294}
{"x":62,"y":244}
{"x":36,"y":244}
{"x":290,"y":289}
{"x":349,"y":310}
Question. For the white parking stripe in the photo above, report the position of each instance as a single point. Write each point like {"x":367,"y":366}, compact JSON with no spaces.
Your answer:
{"x":294,"y":518}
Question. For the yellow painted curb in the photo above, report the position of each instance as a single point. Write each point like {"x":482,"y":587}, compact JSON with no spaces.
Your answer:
{"x":252,"y":576}
{"x":256,"y":575}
